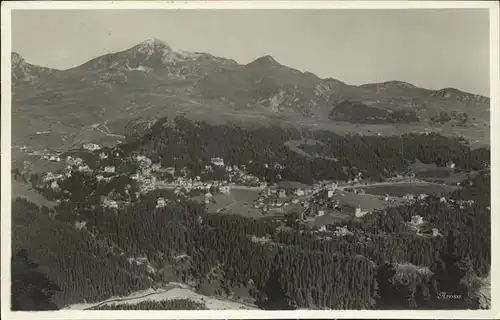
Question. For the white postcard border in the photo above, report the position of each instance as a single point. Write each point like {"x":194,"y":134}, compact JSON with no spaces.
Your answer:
{"x":493,"y":7}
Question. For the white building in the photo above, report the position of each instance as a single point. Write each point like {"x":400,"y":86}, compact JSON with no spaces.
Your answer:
{"x":416,"y":220}
{"x":110,"y":204}
{"x":91,"y":146}
{"x":422,"y":196}
{"x":84,"y":168}
{"x":359,"y":213}
{"x":74,"y":161}
{"x":134,"y":176}
{"x":342,"y":232}
{"x":103,"y":156}
{"x":160,"y":203}
{"x":299,"y":192}
{"x":330,"y":193}
{"x":109,"y":169}
{"x":80,"y":224}
{"x":435,"y":232}
{"x":321,"y":213}
{"x":143,"y":161}
{"x":224,"y":189}
{"x":67,"y":171}
{"x":408,"y":197}
{"x":54,"y":185}
{"x":49,"y":176}
{"x":219,"y":162}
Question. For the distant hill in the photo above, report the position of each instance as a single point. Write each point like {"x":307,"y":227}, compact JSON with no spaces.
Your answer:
{"x":357,"y":112}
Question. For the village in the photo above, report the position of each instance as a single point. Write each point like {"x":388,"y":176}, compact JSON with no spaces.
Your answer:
{"x":316,"y":206}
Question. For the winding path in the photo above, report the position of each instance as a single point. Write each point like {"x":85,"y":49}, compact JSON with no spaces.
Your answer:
{"x":158,"y":292}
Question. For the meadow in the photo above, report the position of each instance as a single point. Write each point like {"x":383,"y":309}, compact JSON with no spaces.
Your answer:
{"x":400,"y":189}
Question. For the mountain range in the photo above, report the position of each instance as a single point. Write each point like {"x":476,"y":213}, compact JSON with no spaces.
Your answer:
{"x":103,"y":98}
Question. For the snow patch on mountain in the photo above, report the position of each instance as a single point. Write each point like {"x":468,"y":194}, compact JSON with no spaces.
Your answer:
{"x":169,"y":54}
{"x":276,"y":100}
{"x":140,"y":68}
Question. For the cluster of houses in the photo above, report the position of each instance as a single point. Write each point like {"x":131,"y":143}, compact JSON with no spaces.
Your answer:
{"x":282,"y":195}
{"x":444,"y":200}
{"x":91,"y":146}
{"x":342,"y":232}
{"x":338,"y":232}
{"x":234,"y":173}
{"x":146,"y":180}
{"x":417,"y":222}
{"x":190,"y":184}
{"x":218,"y":162}
{"x":314,"y":200}
{"x":52,"y":157}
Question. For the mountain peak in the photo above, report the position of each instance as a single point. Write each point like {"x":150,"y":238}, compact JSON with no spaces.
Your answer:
{"x":265,"y":61}
{"x":168,"y":54}
{"x":152,"y":45}
{"x":16,"y":58}
{"x":154,"y":42}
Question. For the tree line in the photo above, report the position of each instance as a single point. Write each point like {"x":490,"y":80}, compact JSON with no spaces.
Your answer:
{"x":181,"y":142}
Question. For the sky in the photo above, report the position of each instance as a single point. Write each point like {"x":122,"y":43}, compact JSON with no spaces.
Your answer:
{"x":430,"y":48}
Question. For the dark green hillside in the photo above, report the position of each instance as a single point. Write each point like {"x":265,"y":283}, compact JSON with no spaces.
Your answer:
{"x":357,"y":112}
{"x":93,"y":253}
